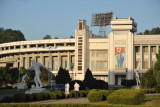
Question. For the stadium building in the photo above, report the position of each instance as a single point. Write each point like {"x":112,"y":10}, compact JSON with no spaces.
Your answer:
{"x":110,"y":59}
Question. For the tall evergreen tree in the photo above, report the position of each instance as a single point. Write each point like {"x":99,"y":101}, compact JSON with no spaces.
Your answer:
{"x":89,"y":80}
{"x":63,"y":76}
{"x":156,"y":69}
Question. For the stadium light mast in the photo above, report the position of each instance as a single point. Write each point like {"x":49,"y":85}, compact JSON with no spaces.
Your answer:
{"x":102,"y":20}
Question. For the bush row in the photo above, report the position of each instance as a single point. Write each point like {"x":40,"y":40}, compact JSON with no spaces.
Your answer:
{"x":63,"y":105}
{"x":95,"y":95}
{"x":151,"y":90}
{"x":126,"y":96}
{"x":56,"y":94}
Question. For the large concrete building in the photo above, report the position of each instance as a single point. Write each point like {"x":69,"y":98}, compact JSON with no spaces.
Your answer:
{"x":109,"y":59}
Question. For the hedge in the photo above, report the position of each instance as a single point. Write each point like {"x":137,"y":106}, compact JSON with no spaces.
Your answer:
{"x":20,"y":97}
{"x":59,"y":94}
{"x":83,"y":93}
{"x":126,"y":96}
{"x":94,"y":96}
{"x":105,"y":94}
{"x":52,"y":95}
{"x":65,"y":105}
{"x":71,"y":94}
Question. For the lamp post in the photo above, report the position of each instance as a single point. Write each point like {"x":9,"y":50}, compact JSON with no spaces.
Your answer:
{"x":19,"y":64}
{"x":49,"y":68}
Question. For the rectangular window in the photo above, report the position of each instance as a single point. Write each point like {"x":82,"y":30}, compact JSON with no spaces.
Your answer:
{"x":79,"y":63}
{"x":93,"y":65}
{"x":80,"y":40}
{"x":93,"y":54}
{"x":137,"y":49}
{"x":80,"y":47}
{"x":153,"y":49}
{"x":80,"y":52}
{"x":79,"y":57}
{"x":145,"y":49}
{"x":79,"y":67}
{"x":145,"y":65}
{"x":65,"y":64}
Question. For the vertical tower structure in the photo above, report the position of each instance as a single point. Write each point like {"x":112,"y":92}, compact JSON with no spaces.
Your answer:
{"x":121,"y":50}
{"x":82,"y":35}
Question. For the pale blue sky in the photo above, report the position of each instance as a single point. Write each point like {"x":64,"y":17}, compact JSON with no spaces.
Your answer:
{"x":37,"y":18}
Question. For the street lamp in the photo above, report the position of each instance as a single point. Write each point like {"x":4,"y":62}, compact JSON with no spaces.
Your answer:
{"x":49,"y":65}
{"x":19,"y":64}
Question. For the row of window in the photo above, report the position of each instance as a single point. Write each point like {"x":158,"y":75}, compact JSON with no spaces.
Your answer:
{"x":35,"y":46}
{"x":145,"y":49}
{"x":99,"y":65}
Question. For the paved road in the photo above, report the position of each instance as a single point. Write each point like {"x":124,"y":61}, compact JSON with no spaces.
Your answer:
{"x":69,"y":100}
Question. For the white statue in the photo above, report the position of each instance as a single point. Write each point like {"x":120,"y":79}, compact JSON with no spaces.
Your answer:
{"x":23,"y":79}
{"x":36,"y":67}
{"x":137,"y":75}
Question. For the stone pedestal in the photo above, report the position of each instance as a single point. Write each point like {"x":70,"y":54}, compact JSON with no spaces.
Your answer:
{"x":22,"y":87}
{"x":135,"y":87}
{"x":36,"y":90}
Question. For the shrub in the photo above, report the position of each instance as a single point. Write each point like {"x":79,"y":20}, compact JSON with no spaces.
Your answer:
{"x":7,"y":99}
{"x":58,"y":93}
{"x":105,"y":94}
{"x":128,"y":83}
{"x":45,"y":95}
{"x":126,"y":96}
{"x":20,"y":97}
{"x":148,"y":83}
{"x":52,"y":95}
{"x":37,"y":96}
{"x":83,"y":93}
{"x":71,"y":94}
{"x":94,"y":96}
{"x":101,"y":84}
{"x":29,"y":97}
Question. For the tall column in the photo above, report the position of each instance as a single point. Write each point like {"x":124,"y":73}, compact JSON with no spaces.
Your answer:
{"x":157,"y":50}
{"x":149,"y":57}
{"x":141,"y":56}
{"x":69,"y":61}
{"x":59,"y":60}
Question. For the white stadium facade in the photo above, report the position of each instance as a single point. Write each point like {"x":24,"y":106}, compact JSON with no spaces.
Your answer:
{"x":110,"y":59}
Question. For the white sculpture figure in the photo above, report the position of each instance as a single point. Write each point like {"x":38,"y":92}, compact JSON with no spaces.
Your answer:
{"x":23,"y":79}
{"x":36,"y":67}
{"x":137,"y":75}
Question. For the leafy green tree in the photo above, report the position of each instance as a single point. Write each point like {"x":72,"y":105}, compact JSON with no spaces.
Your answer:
{"x":146,"y":32}
{"x":150,"y":32}
{"x":63,"y":76}
{"x":56,"y":38}
{"x":148,"y":80}
{"x":71,"y":36}
{"x":156,"y":69}
{"x":9,"y":35}
{"x":47,"y":37}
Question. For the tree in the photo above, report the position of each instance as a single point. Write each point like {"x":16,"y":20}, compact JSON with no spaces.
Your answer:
{"x":148,"y":80}
{"x":150,"y":32}
{"x":10,"y":35}
{"x":47,"y":37}
{"x":71,"y":36}
{"x":89,"y":80}
{"x":146,"y":32}
{"x":156,"y":69}
{"x":63,"y":76}
{"x":56,"y":38}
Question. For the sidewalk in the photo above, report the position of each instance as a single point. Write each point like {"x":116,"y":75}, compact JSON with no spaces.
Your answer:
{"x":69,"y":100}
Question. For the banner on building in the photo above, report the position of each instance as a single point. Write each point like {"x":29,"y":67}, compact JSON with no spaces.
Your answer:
{"x":120,"y":57}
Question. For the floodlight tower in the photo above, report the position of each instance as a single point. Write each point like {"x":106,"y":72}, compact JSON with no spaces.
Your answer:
{"x":102,"y":20}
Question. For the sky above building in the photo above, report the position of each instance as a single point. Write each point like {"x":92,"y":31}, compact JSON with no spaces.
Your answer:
{"x":59,"y":18}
